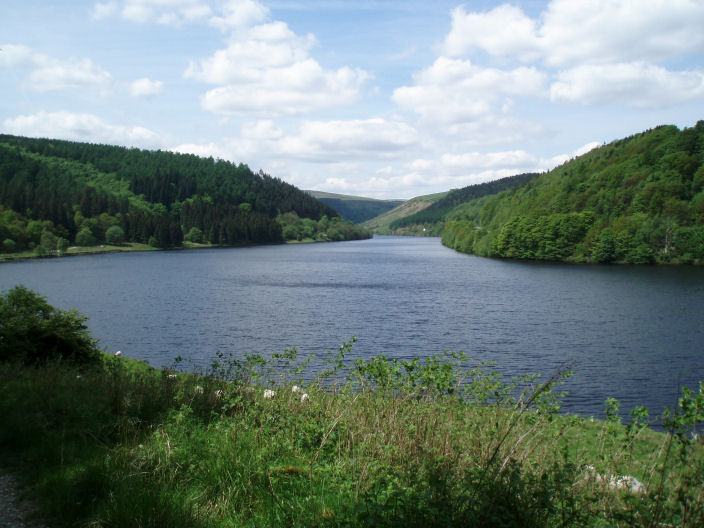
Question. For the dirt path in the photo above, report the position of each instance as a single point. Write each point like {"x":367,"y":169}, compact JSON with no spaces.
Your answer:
{"x":14,"y":513}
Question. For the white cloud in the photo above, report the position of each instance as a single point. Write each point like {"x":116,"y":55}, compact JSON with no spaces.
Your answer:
{"x":104,"y":9}
{"x":205,"y":150}
{"x":240,"y":14}
{"x":604,"y":31}
{"x":587,"y":148}
{"x":457,"y":91}
{"x":14,"y":55}
{"x":597,"y":51}
{"x":81,"y":127}
{"x":514,"y":159}
{"x":457,"y":170}
{"x":249,"y":58}
{"x":68,"y":75}
{"x":145,"y":87}
{"x":573,"y":32}
{"x":50,"y":74}
{"x":266,"y":69}
{"x":165,"y":12}
{"x":300,"y":88}
{"x":331,"y":141}
{"x":505,"y":30}
{"x":335,"y":144}
{"x":226,"y":15}
{"x":264,"y":129}
{"x":635,"y":84}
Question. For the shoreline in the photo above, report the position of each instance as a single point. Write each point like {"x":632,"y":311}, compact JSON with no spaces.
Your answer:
{"x":133,"y":247}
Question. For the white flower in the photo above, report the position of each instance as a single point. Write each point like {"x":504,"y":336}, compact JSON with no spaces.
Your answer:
{"x":296,"y":389}
{"x":219,"y":394}
{"x":172,"y":376}
{"x":118,"y":353}
{"x":269,"y":394}
{"x":305,"y":397}
{"x":627,"y":483}
{"x":198,"y":389}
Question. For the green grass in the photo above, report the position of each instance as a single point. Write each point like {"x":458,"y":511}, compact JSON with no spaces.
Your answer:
{"x":103,"y":248}
{"x":80,"y":250}
{"x":397,"y":444}
{"x":381,"y":224}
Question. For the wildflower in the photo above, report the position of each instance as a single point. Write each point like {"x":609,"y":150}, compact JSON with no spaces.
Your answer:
{"x":219,"y":394}
{"x":616,"y":482}
{"x":627,"y":483}
{"x":296,"y":389}
{"x":172,"y":376}
{"x":198,"y":389}
{"x":118,"y":353}
{"x":269,"y":394}
{"x":305,"y":398}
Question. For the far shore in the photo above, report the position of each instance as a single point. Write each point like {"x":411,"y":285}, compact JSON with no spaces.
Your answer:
{"x":131,"y":247}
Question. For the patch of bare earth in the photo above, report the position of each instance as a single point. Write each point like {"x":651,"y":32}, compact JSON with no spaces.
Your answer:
{"x":14,"y":511}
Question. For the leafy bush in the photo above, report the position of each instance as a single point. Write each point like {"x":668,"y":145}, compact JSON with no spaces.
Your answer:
{"x":86,"y":238}
{"x":32,"y":331}
{"x":9,"y":245}
{"x":194,"y":235}
{"x":115,"y":235}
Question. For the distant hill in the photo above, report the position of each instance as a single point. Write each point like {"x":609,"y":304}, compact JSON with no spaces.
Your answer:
{"x":356,"y":209}
{"x":381,"y":224}
{"x":54,"y":192}
{"x":636,"y":200}
{"x":430,"y":219}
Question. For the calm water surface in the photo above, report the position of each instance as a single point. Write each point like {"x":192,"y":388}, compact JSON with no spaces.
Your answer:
{"x":634,"y":333}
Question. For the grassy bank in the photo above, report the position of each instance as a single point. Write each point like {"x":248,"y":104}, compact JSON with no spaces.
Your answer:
{"x":125,"y":445}
{"x":126,"y":247}
{"x":78,"y":250}
{"x":105,"y":441}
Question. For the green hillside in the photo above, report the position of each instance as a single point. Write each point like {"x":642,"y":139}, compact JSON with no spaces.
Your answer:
{"x":355,"y":209}
{"x":430,"y":219}
{"x":637,"y":200}
{"x":55,"y":193}
{"x":382,"y":223}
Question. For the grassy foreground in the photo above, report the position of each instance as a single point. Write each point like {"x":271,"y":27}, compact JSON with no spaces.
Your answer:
{"x":397,"y":444}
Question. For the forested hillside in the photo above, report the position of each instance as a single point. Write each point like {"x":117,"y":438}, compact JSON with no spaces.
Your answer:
{"x":356,"y":209}
{"x":637,"y":200}
{"x":382,"y":224}
{"x":431,"y":217}
{"x":54,"y":193}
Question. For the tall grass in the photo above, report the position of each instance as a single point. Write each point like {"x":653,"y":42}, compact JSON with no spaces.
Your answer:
{"x":440,"y":442}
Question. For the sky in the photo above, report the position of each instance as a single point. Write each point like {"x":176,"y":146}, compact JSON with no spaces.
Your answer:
{"x":377,"y":98}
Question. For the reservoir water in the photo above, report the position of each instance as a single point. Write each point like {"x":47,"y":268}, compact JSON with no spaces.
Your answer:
{"x":633,"y":333}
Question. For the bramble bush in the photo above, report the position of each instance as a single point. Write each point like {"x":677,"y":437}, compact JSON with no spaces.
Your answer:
{"x":32,"y":331}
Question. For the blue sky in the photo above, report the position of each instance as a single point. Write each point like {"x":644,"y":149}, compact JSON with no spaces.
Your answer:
{"x":373,"y":98}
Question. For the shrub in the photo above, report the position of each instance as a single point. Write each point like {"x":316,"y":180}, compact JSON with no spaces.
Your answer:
{"x":9,"y":245}
{"x":194,"y":235}
{"x":62,"y":245}
{"x":606,"y":250}
{"x":85,"y":237}
{"x":114,"y":235}
{"x":48,"y":240}
{"x":32,"y":331}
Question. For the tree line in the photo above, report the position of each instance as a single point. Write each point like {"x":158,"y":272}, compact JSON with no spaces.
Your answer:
{"x":88,"y":194}
{"x":432,"y":216}
{"x":637,"y":200}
